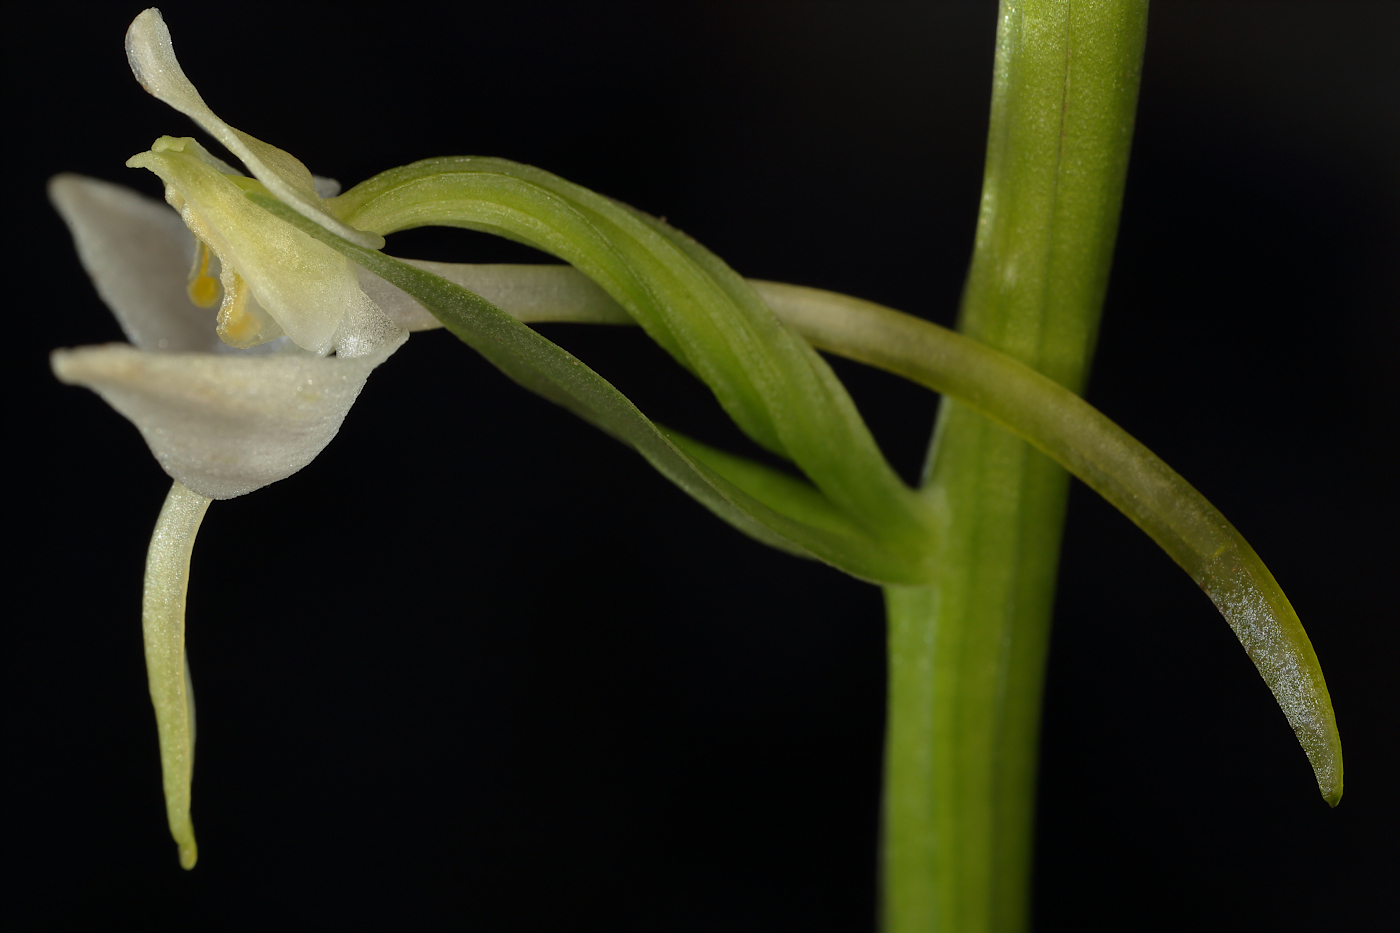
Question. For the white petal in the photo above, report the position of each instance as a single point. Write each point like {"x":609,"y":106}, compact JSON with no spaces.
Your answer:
{"x":151,"y":54}
{"x":224,"y":425}
{"x":137,"y":253}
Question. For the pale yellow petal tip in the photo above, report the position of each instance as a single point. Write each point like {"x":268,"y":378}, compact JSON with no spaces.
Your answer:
{"x":189,"y":854}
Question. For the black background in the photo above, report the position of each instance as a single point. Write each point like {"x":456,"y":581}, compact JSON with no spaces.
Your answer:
{"x":477,"y":665}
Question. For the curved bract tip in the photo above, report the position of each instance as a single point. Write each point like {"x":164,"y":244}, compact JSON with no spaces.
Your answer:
{"x":1268,"y":628}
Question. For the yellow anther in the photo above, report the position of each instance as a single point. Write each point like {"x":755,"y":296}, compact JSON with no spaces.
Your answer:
{"x":202,"y":287}
{"x":204,"y":291}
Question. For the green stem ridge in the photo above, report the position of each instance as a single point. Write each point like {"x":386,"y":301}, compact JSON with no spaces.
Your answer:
{"x":967,"y":654}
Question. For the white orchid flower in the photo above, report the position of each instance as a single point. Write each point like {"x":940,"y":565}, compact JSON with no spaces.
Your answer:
{"x":220,"y":421}
{"x":226,"y":404}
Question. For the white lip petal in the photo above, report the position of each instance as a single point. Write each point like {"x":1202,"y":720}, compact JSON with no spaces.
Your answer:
{"x":151,"y":54}
{"x":225,"y":425}
{"x":138,"y":253}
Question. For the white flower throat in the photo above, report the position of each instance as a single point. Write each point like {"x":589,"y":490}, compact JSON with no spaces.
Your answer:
{"x":275,"y":279}
{"x":236,"y":326}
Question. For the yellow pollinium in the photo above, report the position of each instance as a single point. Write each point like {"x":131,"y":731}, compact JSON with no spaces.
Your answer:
{"x":202,"y":287}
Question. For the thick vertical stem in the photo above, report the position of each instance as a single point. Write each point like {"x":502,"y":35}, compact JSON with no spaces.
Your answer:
{"x":967,"y":654}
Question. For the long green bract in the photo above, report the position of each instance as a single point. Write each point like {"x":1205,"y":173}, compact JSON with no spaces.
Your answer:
{"x":769,"y":505}
{"x":1111,"y":462}
{"x":769,"y":381}
{"x":1056,"y":421}
{"x":1050,"y":417}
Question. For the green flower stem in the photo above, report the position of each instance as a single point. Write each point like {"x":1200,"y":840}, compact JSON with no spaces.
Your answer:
{"x":967,"y":654}
{"x":167,"y":671}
